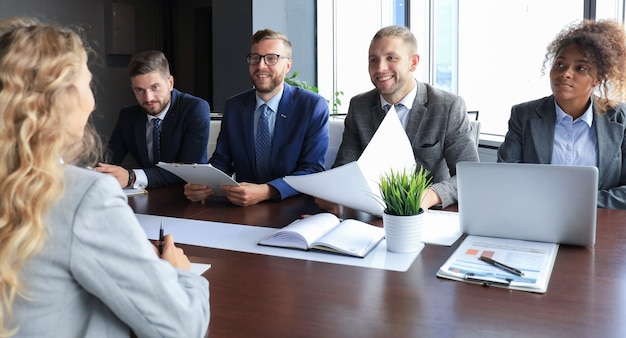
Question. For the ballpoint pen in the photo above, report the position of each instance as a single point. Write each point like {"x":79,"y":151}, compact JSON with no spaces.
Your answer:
{"x":501,"y":265}
{"x":160,"y":244}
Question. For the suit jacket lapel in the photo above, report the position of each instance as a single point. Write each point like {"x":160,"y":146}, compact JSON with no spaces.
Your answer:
{"x":167,"y":126}
{"x":417,"y":112}
{"x":139,"y":127}
{"x":542,"y":130}
{"x":282,"y":120}
{"x":247,"y":121}
{"x":609,"y":135}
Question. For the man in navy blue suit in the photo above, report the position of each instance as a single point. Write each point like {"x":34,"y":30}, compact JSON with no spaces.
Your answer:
{"x":297,"y":120}
{"x":167,"y":125}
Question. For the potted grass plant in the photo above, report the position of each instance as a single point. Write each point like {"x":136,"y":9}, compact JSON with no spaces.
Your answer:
{"x":402,"y":193}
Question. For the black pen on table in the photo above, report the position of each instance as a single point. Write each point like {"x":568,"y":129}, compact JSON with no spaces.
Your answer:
{"x":160,"y":244}
{"x":501,"y":265}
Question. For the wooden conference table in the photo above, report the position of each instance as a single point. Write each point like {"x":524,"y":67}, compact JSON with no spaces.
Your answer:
{"x":255,"y":295}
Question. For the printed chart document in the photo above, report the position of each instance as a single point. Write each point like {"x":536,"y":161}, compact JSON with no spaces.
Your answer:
{"x":200,"y":174}
{"x":534,"y":260}
{"x":327,"y":232}
{"x":355,"y":184}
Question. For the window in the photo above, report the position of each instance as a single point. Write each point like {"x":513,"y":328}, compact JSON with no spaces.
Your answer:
{"x":488,"y":51}
{"x":345,"y":29}
{"x":610,"y":9}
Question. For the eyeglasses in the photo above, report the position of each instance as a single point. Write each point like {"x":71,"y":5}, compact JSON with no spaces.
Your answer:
{"x":270,"y":59}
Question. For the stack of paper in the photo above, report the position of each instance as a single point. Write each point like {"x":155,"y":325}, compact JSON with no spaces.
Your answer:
{"x":355,"y":184}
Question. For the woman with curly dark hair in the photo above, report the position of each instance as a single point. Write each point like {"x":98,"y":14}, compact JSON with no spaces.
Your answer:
{"x":583,"y":122}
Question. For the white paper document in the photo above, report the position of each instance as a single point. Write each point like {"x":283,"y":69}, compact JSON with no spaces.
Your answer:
{"x":200,"y":174}
{"x":134,"y":191}
{"x":441,"y":227}
{"x":245,"y":238}
{"x":199,"y":268}
{"x":355,"y":184}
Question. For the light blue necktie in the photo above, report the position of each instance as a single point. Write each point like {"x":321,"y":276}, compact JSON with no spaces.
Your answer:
{"x":156,"y":140}
{"x":263,"y":146}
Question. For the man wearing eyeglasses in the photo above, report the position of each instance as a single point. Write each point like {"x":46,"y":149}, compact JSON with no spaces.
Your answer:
{"x":269,"y":132}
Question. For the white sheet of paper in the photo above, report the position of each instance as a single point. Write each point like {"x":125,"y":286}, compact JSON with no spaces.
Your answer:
{"x":200,"y":174}
{"x":199,"y":268}
{"x":355,"y":184}
{"x":245,"y":238}
{"x":133,"y":191}
{"x":441,"y":227}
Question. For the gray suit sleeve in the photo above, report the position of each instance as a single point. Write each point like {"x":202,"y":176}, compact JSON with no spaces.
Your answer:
{"x":112,"y":259}
{"x":458,"y":147}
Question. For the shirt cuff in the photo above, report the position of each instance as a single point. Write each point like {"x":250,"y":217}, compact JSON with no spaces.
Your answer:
{"x":141,"y":180}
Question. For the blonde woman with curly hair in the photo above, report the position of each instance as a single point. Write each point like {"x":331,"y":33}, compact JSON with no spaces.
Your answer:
{"x":74,"y":262}
{"x":583,"y":122}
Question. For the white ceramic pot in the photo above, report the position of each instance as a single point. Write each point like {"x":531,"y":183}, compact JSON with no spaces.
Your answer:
{"x":403,"y":233}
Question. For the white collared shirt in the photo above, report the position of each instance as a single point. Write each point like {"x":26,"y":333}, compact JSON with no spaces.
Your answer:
{"x":141,"y":180}
{"x":404,"y":106}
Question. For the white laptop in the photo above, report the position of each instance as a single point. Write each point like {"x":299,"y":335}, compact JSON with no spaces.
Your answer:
{"x":536,"y":202}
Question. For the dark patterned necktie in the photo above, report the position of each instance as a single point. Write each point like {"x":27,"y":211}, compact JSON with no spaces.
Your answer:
{"x":397,"y":106}
{"x":156,"y":140}
{"x":263,"y":146}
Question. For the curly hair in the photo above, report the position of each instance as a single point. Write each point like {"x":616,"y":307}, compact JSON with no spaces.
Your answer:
{"x":603,"y":43}
{"x":39,"y":63}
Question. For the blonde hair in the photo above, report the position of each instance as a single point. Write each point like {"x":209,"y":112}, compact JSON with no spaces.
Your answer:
{"x":39,"y":64}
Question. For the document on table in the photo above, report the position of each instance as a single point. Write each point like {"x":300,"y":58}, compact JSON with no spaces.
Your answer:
{"x":441,"y":227}
{"x":355,"y":184}
{"x":134,"y":191}
{"x":199,"y":268}
{"x":245,"y":238}
{"x":200,"y":174}
{"x":534,"y":261}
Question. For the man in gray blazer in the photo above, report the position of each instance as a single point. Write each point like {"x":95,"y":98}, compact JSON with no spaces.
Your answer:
{"x":435,"y":121}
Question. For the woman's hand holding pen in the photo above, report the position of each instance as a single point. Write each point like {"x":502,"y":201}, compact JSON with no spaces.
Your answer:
{"x":174,"y":255}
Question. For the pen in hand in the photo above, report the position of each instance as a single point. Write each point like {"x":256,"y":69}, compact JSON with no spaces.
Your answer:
{"x":501,"y":265}
{"x":160,"y":244}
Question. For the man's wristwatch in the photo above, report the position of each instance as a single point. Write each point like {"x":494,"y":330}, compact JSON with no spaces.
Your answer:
{"x":131,"y":178}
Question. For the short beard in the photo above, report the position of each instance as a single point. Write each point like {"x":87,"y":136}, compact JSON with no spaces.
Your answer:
{"x":156,"y":112}
{"x":272,"y":86}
